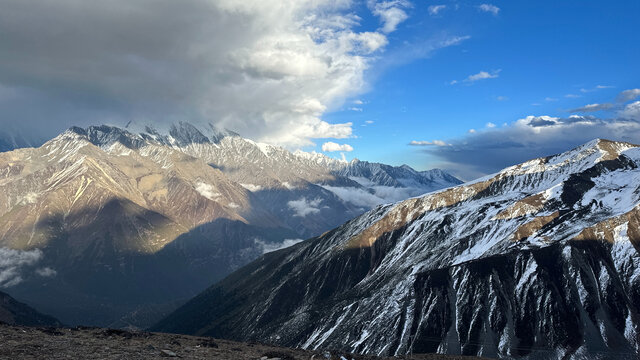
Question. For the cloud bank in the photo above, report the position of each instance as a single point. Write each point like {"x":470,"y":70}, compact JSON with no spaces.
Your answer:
{"x":331,"y":147}
{"x":16,"y":265}
{"x":481,"y":152}
{"x":267,"y":69}
{"x":303,"y":207}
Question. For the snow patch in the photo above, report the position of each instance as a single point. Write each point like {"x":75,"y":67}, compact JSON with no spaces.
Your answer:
{"x":269,"y":247}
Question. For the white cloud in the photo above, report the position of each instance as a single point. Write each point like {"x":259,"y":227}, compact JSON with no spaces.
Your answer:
{"x":331,"y":146}
{"x":427,"y":143}
{"x":46,"y":272}
{"x":371,"y":41}
{"x":14,"y":264}
{"x":483,"y":152}
{"x":369,"y":121}
{"x":489,"y":8}
{"x":435,"y":9}
{"x":631,"y":111}
{"x":482,"y":75}
{"x":597,"y":87}
{"x":572,"y":96}
{"x":550,"y":99}
{"x":358,"y":109}
{"x":419,"y":49}
{"x":267,"y":69}
{"x":628,"y":95}
{"x":479,"y":76}
{"x":251,"y":187}
{"x":207,"y":190}
{"x":303,"y":207}
{"x":390,"y":12}
{"x":358,"y":102}
{"x":374,"y":195}
{"x":356,"y":196}
{"x":490,"y":125}
{"x":592,"y":108}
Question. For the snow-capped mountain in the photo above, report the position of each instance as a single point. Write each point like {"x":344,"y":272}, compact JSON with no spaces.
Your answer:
{"x":135,"y":223}
{"x":538,"y":261}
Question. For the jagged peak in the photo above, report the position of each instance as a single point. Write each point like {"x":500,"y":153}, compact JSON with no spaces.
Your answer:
{"x":105,"y":135}
{"x":136,"y":134}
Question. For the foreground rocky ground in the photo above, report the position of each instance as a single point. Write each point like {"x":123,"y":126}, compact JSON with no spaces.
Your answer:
{"x":96,"y":343}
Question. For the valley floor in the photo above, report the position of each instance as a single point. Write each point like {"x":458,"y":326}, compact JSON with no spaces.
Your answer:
{"x":97,"y":343}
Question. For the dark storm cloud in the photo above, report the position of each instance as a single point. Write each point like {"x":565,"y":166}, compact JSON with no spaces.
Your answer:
{"x":268,"y":69}
{"x":493,"y":149}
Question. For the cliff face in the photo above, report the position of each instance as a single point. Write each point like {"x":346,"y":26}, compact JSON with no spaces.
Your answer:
{"x":537,"y":261}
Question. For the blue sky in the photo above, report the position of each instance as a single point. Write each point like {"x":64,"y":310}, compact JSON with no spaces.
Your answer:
{"x":475,"y":86}
{"x":548,"y":57}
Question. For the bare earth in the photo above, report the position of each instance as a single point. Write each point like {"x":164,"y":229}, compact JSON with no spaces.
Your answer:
{"x":97,"y":343}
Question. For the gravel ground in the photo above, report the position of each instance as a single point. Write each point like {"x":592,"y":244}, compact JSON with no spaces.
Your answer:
{"x":97,"y":343}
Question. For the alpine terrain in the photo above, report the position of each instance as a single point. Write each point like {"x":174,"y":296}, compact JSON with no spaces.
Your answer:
{"x":131,"y":223}
{"x":538,"y":261}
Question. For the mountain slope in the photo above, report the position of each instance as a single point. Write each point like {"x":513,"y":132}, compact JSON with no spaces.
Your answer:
{"x":135,"y":223}
{"x":538,"y":261}
{"x":13,"y":312}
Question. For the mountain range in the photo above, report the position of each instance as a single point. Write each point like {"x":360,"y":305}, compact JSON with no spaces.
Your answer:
{"x":537,"y":261}
{"x":133,"y":221}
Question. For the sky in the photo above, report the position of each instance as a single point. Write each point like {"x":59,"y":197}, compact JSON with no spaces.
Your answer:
{"x":468,"y":86}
